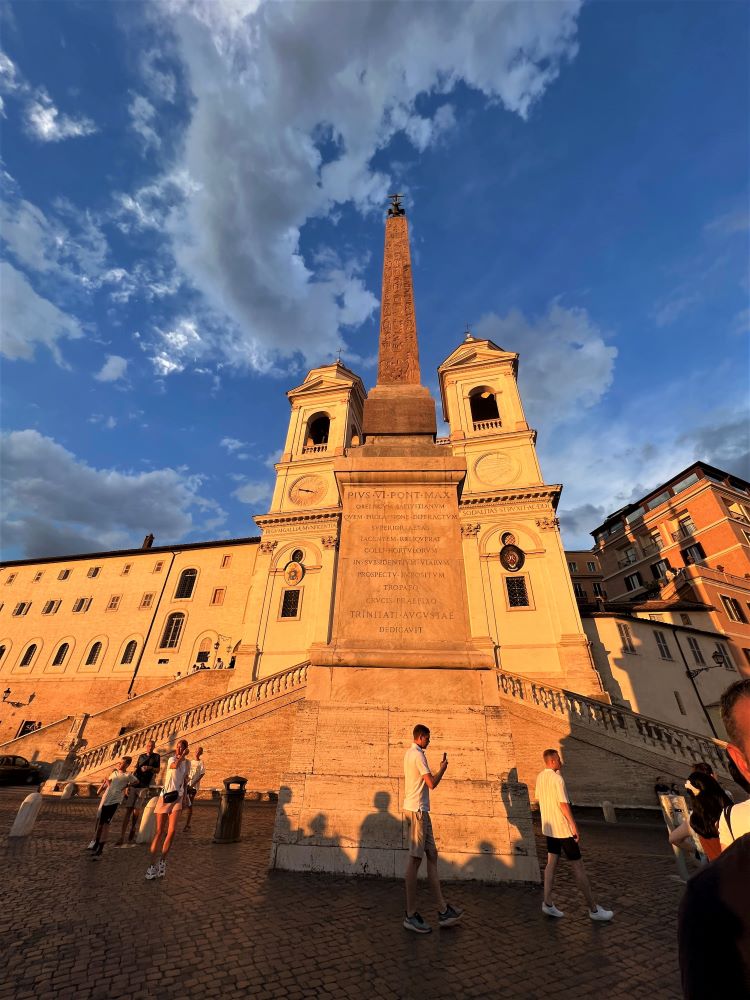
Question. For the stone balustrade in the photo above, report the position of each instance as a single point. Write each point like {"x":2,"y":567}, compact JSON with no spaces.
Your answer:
{"x":487,"y":425}
{"x":314,"y":449}
{"x":621,"y":723}
{"x":173,"y":726}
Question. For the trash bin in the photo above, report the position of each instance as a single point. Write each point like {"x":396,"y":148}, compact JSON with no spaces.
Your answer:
{"x":229,"y":821}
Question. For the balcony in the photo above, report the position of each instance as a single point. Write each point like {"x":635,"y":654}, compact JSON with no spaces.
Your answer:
{"x":686,"y":530}
{"x":483,"y":426}
{"x":651,"y":548}
{"x":314,"y":449}
{"x":627,"y":560}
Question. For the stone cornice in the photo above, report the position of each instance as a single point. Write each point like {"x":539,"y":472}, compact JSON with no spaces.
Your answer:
{"x":531,"y":495}
{"x":325,"y":520}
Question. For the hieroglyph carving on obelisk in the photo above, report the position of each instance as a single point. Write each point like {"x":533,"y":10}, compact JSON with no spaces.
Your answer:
{"x":399,"y":354}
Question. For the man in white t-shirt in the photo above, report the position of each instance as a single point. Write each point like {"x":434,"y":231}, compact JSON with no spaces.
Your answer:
{"x":114,"y":788}
{"x":418,"y":780}
{"x":735,"y":714}
{"x":197,"y":770}
{"x":559,"y":827}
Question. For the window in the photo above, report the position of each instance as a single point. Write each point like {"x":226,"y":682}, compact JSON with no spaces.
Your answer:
{"x":685,"y":619}
{"x":693,"y":554}
{"x":3,"y":649}
{"x":634,"y":581}
{"x":625,"y":638}
{"x":483,"y":405}
{"x":93,"y":654}
{"x":11,"y":578}
{"x":598,"y":589}
{"x":635,"y":515}
{"x":82,"y":604}
{"x":147,"y":600}
{"x":659,"y":569}
{"x":226,"y":561}
{"x":696,"y":650}
{"x":50,"y":608}
{"x":63,"y":574}
{"x":158,"y":567}
{"x":298,"y":556}
{"x":37,"y":577}
{"x":627,"y":556}
{"x":28,"y":656}
{"x":591,"y":567}
{"x":114,"y":602}
{"x":22,"y":608}
{"x":204,"y":651}
{"x":126,"y":569}
{"x":129,"y":652}
{"x":573,"y":567}
{"x":172,"y":630}
{"x":656,"y":618}
{"x":679,"y":703}
{"x":728,"y":661}
{"x":579,"y":591}
{"x":518,"y":596}
{"x":218,"y":595}
{"x":94,"y":571}
{"x":684,"y":483}
{"x":62,"y":652}
{"x":661,"y":642}
{"x":27,"y":726}
{"x":732,"y":607}
{"x":290,"y":604}
{"x":317,"y":431}
{"x":186,"y":584}
{"x":656,"y":501}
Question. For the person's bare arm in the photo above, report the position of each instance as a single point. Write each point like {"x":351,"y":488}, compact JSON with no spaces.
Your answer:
{"x":681,"y":833}
{"x":568,"y":814}
{"x":433,"y":780}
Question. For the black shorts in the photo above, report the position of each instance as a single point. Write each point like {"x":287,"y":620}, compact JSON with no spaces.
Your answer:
{"x":105,"y":816}
{"x":564,"y":845}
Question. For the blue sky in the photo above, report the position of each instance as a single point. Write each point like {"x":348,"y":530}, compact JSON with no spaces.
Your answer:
{"x":193,"y":200}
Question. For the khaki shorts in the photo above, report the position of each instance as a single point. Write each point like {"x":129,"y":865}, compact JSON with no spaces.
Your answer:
{"x":421,"y":837}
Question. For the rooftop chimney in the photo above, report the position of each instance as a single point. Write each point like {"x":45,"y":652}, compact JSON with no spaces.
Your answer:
{"x":148,"y":541}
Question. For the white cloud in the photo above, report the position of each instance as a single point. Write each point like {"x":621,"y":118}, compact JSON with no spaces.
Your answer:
{"x":29,"y":321}
{"x":142,"y":121}
{"x":232,"y":445}
{"x":56,"y":503}
{"x":45,"y":122}
{"x":566,"y":363}
{"x":253,"y":492}
{"x":114,"y":368}
{"x":274,"y":82}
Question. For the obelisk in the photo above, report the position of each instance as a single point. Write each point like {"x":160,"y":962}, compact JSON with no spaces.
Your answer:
{"x":400,"y":649}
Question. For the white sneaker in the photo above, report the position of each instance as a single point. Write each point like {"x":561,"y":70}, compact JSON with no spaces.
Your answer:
{"x":161,"y":871}
{"x":152,"y":872}
{"x":601,"y":914}
{"x":552,"y":911}
{"x":91,"y":846}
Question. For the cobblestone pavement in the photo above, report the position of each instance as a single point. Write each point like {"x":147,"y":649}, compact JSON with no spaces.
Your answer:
{"x":221,"y":925}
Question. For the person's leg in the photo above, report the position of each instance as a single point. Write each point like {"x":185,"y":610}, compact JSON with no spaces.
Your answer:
{"x":579,"y":873}
{"x":161,"y":822}
{"x":434,"y":880}
{"x":188,"y":813}
{"x":173,"y":819}
{"x":125,"y":820}
{"x":410,"y":879}
{"x":135,"y":817}
{"x":549,"y":877}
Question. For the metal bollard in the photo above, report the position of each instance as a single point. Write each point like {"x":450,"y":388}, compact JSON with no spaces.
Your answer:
{"x":26,"y":816}
{"x":610,"y":816}
{"x":229,"y":821}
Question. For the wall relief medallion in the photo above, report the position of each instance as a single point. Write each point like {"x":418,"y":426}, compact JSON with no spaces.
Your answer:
{"x":293,"y":573}
{"x":512,"y":558}
{"x":497,"y":468}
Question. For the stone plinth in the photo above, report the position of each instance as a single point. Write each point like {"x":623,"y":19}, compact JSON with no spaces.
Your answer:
{"x":340,"y":803}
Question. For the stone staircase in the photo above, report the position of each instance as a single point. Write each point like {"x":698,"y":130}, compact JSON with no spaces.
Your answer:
{"x":617,"y":723}
{"x":200,"y":721}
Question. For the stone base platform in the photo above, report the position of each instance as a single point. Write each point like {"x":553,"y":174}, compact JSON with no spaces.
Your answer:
{"x":340,"y":803}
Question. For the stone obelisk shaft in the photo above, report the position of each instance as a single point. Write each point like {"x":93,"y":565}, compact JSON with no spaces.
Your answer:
{"x":399,"y":405}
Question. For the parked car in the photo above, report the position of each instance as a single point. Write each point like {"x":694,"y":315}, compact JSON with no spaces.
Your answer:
{"x":18,"y":771}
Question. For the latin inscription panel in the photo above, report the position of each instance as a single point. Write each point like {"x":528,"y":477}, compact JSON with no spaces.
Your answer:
{"x":400,"y":568}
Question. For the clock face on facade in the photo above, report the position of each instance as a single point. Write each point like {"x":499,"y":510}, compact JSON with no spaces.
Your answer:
{"x":497,"y":468}
{"x":307,"y":490}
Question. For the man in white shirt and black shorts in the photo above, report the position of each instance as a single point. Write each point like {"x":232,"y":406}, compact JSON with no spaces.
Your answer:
{"x":114,"y":789}
{"x":559,"y":827}
{"x":418,"y":780}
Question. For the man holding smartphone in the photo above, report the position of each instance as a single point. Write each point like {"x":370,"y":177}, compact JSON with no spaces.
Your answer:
{"x":418,"y":781}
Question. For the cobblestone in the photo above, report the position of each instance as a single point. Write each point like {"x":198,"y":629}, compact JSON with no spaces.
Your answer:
{"x":220,"y":924}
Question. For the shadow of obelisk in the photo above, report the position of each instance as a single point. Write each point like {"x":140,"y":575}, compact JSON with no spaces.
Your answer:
{"x":401,"y":650}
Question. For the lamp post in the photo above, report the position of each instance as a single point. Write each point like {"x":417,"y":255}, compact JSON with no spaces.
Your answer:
{"x":719,"y":659}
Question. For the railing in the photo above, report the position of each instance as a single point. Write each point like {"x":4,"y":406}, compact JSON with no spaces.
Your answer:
{"x":487,"y":425}
{"x":627,"y":560}
{"x":651,"y":548}
{"x":618,"y":722}
{"x":444,"y":440}
{"x":192,"y":718}
{"x":314,"y":449}
{"x":685,"y":530}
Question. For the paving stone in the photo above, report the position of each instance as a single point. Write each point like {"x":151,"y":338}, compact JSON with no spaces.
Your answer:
{"x":73,"y":927}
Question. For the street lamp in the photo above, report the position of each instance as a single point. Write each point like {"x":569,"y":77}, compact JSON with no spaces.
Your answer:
{"x":719,"y":659}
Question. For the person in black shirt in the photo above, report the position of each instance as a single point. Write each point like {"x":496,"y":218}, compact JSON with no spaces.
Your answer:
{"x":146,"y":769}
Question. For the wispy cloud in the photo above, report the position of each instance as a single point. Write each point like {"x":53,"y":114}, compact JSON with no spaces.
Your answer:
{"x":114,"y":368}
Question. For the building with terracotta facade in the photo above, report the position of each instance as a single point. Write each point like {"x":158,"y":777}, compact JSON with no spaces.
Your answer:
{"x":586,"y":576}
{"x":688,"y":539}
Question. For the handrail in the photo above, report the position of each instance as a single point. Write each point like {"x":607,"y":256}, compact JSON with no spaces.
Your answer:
{"x":617,"y":721}
{"x":190,"y":718}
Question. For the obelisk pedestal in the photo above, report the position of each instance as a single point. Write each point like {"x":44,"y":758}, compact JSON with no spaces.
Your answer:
{"x":401,"y":652}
